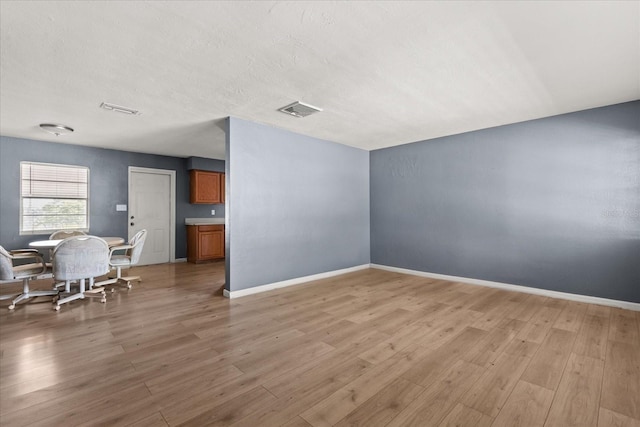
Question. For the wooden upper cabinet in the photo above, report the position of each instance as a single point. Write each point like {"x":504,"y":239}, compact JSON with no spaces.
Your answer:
{"x":206,"y":187}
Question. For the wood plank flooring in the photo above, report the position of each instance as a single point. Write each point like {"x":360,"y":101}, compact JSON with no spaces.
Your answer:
{"x":371,"y":348}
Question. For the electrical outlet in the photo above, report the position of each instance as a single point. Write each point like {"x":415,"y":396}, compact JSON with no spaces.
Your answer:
{"x":213,"y":211}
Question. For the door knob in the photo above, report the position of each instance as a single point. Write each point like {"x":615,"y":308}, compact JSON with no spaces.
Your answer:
{"x":131,"y":216}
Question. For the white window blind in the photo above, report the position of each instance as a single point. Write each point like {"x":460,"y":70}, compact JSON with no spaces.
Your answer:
{"x":53,"y":197}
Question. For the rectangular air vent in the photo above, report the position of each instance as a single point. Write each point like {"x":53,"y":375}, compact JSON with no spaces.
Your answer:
{"x":300,"y":109}
{"x":120,"y":109}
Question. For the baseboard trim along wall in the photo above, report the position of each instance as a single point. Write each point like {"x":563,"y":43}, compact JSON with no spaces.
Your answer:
{"x":506,"y":286}
{"x":517,"y":288}
{"x":292,"y":282}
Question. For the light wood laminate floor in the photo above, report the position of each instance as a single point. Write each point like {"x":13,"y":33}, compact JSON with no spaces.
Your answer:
{"x":371,"y":348}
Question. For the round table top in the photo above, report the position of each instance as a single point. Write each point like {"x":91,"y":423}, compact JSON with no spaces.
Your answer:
{"x":50,"y":244}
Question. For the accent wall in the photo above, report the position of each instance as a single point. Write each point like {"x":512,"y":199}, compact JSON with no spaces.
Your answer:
{"x":552,"y":203}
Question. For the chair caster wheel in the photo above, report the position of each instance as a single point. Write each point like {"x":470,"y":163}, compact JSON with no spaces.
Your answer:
{"x":129,"y":286}
{"x":103,"y":300}
{"x":112,"y":290}
{"x":56,"y":308}
{"x":11,"y":307}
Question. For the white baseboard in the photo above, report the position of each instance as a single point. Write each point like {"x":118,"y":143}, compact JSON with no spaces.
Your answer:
{"x":517,"y":288}
{"x":180,"y":260}
{"x":291,"y":282}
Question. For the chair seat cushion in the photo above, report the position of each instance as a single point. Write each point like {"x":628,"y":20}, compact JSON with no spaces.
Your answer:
{"x":120,"y":260}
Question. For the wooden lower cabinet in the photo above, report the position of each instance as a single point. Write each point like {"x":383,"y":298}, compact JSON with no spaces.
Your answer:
{"x":205,"y":242}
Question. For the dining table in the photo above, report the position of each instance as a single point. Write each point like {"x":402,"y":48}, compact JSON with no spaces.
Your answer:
{"x":50,"y":244}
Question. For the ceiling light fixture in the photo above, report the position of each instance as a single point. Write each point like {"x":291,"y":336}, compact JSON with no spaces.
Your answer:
{"x":299,"y":109}
{"x":57,"y":130}
{"x":120,"y":109}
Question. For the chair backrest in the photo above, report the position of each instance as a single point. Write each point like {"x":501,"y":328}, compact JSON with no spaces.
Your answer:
{"x":63,"y":234}
{"x":137,"y":242}
{"x":80,"y":257}
{"x":6,"y":265}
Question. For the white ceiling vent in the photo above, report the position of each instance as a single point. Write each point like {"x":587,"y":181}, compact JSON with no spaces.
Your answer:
{"x":300,"y":109}
{"x":120,"y":109}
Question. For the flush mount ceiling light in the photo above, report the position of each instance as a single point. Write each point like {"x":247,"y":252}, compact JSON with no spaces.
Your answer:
{"x":57,"y":130}
{"x":120,"y":109}
{"x":299,"y":109}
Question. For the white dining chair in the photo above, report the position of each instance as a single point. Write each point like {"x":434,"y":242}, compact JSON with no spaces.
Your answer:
{"x":82,"y":259}
{"x":64,"y":234}
{"x":125,"y":256}
{"x":24,"y":265}
{"x":61,"y":235}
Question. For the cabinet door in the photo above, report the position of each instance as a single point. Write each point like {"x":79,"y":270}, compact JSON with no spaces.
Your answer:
{"x":205,"y":187}
{"x":211,"y":244}
{"x":192,"y":243}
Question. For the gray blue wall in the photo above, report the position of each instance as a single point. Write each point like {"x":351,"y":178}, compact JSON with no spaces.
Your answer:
{"x":205,"y":164}
{"x":108,"y":186}
{"x":551,"y":203}
{"x":297,"y":205}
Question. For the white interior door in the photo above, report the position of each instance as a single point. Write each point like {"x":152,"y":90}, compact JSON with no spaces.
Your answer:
{"x":152,"y":207}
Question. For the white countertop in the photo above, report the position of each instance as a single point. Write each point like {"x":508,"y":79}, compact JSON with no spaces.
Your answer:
{"x":203,"y":221}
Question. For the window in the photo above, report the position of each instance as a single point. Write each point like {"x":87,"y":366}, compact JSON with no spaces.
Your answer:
{"x":53,"y":197}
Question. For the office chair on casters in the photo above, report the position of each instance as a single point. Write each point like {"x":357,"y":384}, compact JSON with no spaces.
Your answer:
{"x":25,"y":272}
{"x":80,"y":258}
{"x":64,"y":234}
{"x":61,"y":235}
{"x":129,"y":258}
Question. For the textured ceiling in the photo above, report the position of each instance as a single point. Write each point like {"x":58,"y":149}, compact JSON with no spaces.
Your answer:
{"x":385,"y":73}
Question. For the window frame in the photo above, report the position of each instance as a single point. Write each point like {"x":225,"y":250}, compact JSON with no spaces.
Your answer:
{"x":24,"y":232}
